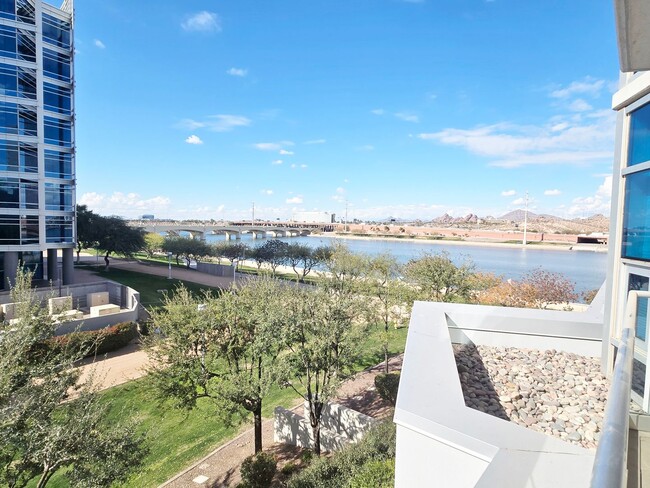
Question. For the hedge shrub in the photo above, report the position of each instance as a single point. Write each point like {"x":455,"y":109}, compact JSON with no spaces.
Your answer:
{"x":257,"y":471}
{"x":375,"y":474}
{"x":95,"y":342}
{"x":378,"y":445}
{"x":387,"y":385}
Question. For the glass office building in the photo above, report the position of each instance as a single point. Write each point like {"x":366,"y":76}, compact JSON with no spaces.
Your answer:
{"x":37,"y":147}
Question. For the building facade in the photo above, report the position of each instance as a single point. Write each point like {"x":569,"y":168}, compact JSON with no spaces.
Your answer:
{"x":629,"y":259}
{"x":37,"y":147}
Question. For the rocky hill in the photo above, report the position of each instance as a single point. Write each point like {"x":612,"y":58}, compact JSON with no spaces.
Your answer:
{"x":536,"y":223}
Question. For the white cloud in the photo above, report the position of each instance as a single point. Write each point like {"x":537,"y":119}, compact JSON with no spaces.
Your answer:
{"x":277,"y":162}
{"x":237,"y":72}
{"x":598,"y":203}
{"x":194,"y":140}
{"x":294,"y":166}
{"x":202,"y":22}
{"x":284,"y":152}
{"x":378,"y":111}
{"x":315,"y":141}
{"x":518,"y":201}
{"x":575,"y":139}
{"x":125,"y":204}
{"x":215,"y":123}
{"x":579,"y":105}
{"x":297,"y":200}
{"x":99,"y":44}
{"x":303,"y":166}
{"x":273,"y":146}
{"x":366,"y":147}
{"x":508,"y":193}
{"x":267,"y":192}
{"x":407,"y":117}
{"x":552,"y":193}
{"x":588,"y":86}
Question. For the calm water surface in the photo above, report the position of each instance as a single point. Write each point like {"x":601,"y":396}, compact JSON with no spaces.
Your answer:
{"x":585,"y":268}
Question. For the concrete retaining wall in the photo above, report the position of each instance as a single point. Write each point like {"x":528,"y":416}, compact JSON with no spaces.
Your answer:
{"x":339,"y":426}
{"x":215,"y":269}
{"x":343,"y":421}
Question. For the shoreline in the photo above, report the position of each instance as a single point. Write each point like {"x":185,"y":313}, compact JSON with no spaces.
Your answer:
{"x":508,"y":245}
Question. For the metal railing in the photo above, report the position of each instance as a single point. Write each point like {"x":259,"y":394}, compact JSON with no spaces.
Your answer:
{"x":610,"y":464}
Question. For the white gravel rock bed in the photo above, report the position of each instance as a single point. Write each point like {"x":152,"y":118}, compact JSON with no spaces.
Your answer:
{"x":551,"y":392}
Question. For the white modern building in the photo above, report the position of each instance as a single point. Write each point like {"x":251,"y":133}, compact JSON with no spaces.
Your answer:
{"x":314,"y":217}
{"x":37,"y":147}
{"x":442,"y":442}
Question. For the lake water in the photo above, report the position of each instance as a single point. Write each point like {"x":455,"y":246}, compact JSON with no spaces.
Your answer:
{"x":585,"y":268}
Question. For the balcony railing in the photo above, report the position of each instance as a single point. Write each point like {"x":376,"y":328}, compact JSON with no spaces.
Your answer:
{"x":610,"y":464}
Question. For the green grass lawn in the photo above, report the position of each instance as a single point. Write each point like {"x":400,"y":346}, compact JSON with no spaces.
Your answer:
{"x":177,"y":438}
{"x":148,"y":285}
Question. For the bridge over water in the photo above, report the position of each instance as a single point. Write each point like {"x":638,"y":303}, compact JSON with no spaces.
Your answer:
{"x":232,"y":230}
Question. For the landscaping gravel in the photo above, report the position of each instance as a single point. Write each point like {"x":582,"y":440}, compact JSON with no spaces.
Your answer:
{"x":551,"y":392}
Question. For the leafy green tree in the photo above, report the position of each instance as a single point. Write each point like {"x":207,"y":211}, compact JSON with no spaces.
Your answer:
{"x":236,"y":251}
{"x":116,"y":236}
{"x":346,"y":271}
{"x":276,"y":252}
{"x":49,"y":421}
{"x":261,"y":255}
{"x":324,"y":332}
{"x":224,"y":348}
{"x":302,"y":258}
{"x":88,"y":229}
{"x":439,"y":279}
{"x":153,"y":243}
{"x":392,"y":298}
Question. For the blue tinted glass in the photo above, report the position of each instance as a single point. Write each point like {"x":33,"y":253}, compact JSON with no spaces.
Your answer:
{"x":636,"y":216}
{"x":8,"y":9}
{"x":639,"y":144}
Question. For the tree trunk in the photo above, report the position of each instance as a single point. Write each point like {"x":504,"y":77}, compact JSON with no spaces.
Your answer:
{"x":257,"y":415}
{"x":316,"y":432}
{"x":386,"y":348}
{"x":78,"y":257}
{"x":107,"y":261}
{"x":44,"y":479}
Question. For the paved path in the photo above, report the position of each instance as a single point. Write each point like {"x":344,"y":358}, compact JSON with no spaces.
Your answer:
{"x":117,"y":367}
{"x":158,"y":270}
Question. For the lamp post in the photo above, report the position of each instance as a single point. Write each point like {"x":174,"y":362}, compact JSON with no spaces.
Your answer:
{"x":234,"y":270}
{"x":169,"y":263}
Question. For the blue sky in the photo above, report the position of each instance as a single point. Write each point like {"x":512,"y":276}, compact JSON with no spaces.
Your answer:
{"x":196,"y":109}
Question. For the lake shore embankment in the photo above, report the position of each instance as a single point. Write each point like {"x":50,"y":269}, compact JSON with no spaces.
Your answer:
{"x":465,"y":242}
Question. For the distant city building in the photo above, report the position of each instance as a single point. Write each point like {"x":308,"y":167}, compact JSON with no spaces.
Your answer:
{"x":148,"y":217}
{"x":314,"y":217}
{"x":37,"y":187}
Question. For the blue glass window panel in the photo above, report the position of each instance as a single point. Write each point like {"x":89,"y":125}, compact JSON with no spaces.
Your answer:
{"x":636,"y":216}
{"x":58,"y":197}
{"x":58,"y":132}
{"x":640,"y":283}
{"x":58,"y":164}
{"x":9,"y":229}
{"x":9,"y":193}
{"x":56,"y":99}
{"x":639,"y":143}
{"x":56,"y":65}
{"x":8,"y":80}
{"x":8,"y":9}
{"x":8,"y":41}
{"x":58,"y":229}
{"x":8,"y":118}
{"x":55,"y":31}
